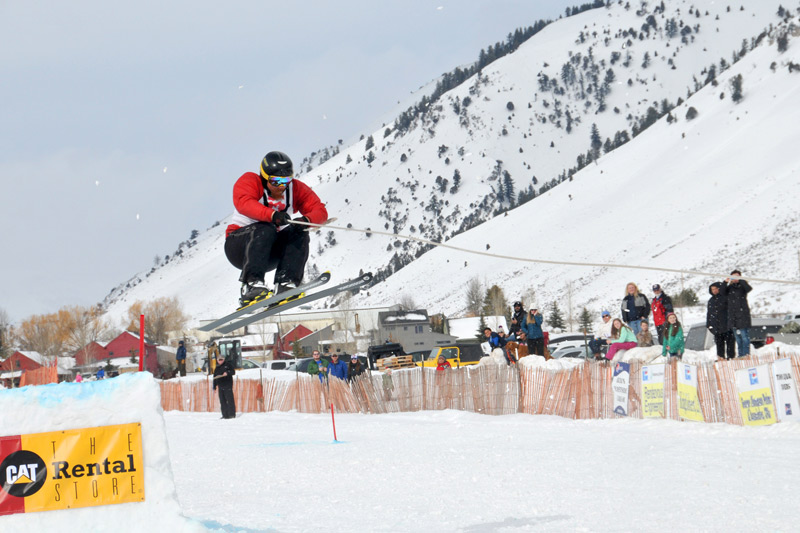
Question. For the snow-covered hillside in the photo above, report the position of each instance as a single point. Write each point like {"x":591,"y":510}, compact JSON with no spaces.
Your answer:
{"x":704,"y":194}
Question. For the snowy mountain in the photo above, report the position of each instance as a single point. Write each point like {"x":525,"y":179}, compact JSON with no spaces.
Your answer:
{"x":612,"y":136}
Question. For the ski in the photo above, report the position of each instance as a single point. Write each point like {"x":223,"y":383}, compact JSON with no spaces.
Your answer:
{"x":322,"y":279}
{"x":297,"y":300}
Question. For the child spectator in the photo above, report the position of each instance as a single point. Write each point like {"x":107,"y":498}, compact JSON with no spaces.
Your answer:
{"x":442,"y":363}
{"x":645,"y":338}
{"x":622,"y":338}
{"x":673,"y":337}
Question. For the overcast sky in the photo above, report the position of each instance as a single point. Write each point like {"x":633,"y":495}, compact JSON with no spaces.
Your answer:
{"x":124,"y":125}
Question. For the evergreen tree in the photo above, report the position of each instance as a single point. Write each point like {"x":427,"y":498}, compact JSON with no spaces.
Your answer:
{"x":509,"y":187}
{"x":495,"y":303}
{"x":555,"y":319}
{"x":736,"y":88}
{"x":597,"y":141}
{"x":370,"y":143}
{"x":585,"y":321}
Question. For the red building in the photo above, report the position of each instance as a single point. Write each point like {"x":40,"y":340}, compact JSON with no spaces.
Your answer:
{"x":127,"y":345}
{"x":91,"y":353}
{"x":284,"y":344}
{"x":22,"y":361}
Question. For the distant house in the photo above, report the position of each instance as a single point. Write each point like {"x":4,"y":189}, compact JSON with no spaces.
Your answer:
{"x":11,"y":369}
{"x":412,"y":329}
{"x":284,"y":344}
{"x":332,"y":339}
{"x":127,"y":345}
{"x":91,"y":353}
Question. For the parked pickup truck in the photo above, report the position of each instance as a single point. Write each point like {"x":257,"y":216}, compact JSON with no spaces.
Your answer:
{"x":459,"y":354}
{"x":763,"y":331}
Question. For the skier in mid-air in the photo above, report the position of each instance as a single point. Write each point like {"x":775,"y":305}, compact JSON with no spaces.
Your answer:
{"x":260,"y":237}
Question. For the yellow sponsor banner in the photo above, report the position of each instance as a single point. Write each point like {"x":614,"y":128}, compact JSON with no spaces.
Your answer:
{"x":83,"y":468}
{"x":688,"y":401}
{"x":755,"y":396}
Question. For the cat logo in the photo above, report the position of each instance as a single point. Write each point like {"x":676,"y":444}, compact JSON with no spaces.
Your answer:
{"x":22,"y":473}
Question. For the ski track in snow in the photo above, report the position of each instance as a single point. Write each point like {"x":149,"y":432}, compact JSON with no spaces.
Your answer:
{"x":457,"y":471}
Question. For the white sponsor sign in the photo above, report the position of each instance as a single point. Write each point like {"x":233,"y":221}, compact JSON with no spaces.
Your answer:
{"x":786,"y":402}
{"x":653,"y":391}
{"x":619,"y":384}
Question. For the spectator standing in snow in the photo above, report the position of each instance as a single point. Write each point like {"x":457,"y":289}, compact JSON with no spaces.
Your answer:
{"x":532,"y":324}
{"x":337,"y":368}
{"x":644,"y":338}
{"x":223,"y":380}
{"x":318,"y":367}
{"x":661,"y":306}
{"x":622,"y":338}
{"x":673,"y":337}
{"x":516,"y":319}
{"x":635,"y":307}
{"x":213,"y":353}
{"x":739,"y":320}
{"x":602,"y":335}
{"x":101,"y":374}
{"x":180,"y":358}
{"x":354,"y":368}
{"x":717,"y":322}
{"x":442,"y":363}
{"x":78,"y":377}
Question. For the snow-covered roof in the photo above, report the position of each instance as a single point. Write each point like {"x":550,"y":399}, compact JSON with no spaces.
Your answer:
{"x":467,"y":328}
{"x":34,"y":356}
{"x":411,"y":317}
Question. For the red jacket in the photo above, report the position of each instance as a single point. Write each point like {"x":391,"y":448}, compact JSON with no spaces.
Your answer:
{"x":444,"y":365}
{"x":248,"y":199}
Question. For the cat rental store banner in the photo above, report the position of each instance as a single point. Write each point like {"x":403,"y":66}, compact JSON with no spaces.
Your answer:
{"x":72,"y":468}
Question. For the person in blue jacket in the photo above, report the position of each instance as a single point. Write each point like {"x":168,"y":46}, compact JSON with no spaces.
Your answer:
{"x":532,"y":324}
{"x":180,"y":358}
{"x":337,"y":368}
{"x":494,"y":340}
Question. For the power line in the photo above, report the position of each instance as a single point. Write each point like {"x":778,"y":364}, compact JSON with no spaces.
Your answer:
{"x":713,"y":275}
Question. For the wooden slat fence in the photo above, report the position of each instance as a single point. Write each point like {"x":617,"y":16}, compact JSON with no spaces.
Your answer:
{"x":582,"y":392}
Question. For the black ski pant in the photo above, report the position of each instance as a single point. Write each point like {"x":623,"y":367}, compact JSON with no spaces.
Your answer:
{"x":660,"y":330}
{"x":536,"y":346}
{"x":725,"y":343}
{"x":226,"y":402}
{"x":182,"y":367}
{"x":258,"y":248}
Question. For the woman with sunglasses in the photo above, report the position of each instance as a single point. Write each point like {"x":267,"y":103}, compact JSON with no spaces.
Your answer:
{"x":261,"y":236}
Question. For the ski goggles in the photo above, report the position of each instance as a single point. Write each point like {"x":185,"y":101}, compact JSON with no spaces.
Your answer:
{"x":279,"y":181}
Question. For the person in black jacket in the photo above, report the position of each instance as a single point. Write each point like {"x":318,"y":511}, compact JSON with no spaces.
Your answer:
{"x":739,"y":320}
{"x":635,"y":307}
{"x":717,"y":322}
{"x":223,"y":380}
{"x":516,"y":319}
{"x":354,"y":368}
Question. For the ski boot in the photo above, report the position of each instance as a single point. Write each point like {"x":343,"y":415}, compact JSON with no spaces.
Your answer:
{"x":252,"y":293}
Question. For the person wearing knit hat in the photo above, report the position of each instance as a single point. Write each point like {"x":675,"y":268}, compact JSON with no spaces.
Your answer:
{"x":262,"y":235}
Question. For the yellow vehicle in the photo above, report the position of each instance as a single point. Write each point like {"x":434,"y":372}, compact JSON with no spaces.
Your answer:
{"x":457,"y":355}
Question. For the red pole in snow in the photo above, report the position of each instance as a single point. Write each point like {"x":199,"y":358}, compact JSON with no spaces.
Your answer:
{"x":141,"y":343}
{"x":334,"y":422}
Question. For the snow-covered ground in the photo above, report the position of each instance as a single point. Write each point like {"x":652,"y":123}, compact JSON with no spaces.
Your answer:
{"x":457,"y":471}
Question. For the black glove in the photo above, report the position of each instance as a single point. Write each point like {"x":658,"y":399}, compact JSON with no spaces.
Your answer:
{"x":280,"y":218}
{"x":300,"y":227}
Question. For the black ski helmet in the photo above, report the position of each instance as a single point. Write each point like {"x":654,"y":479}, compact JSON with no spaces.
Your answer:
{"x":276,"y":164}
